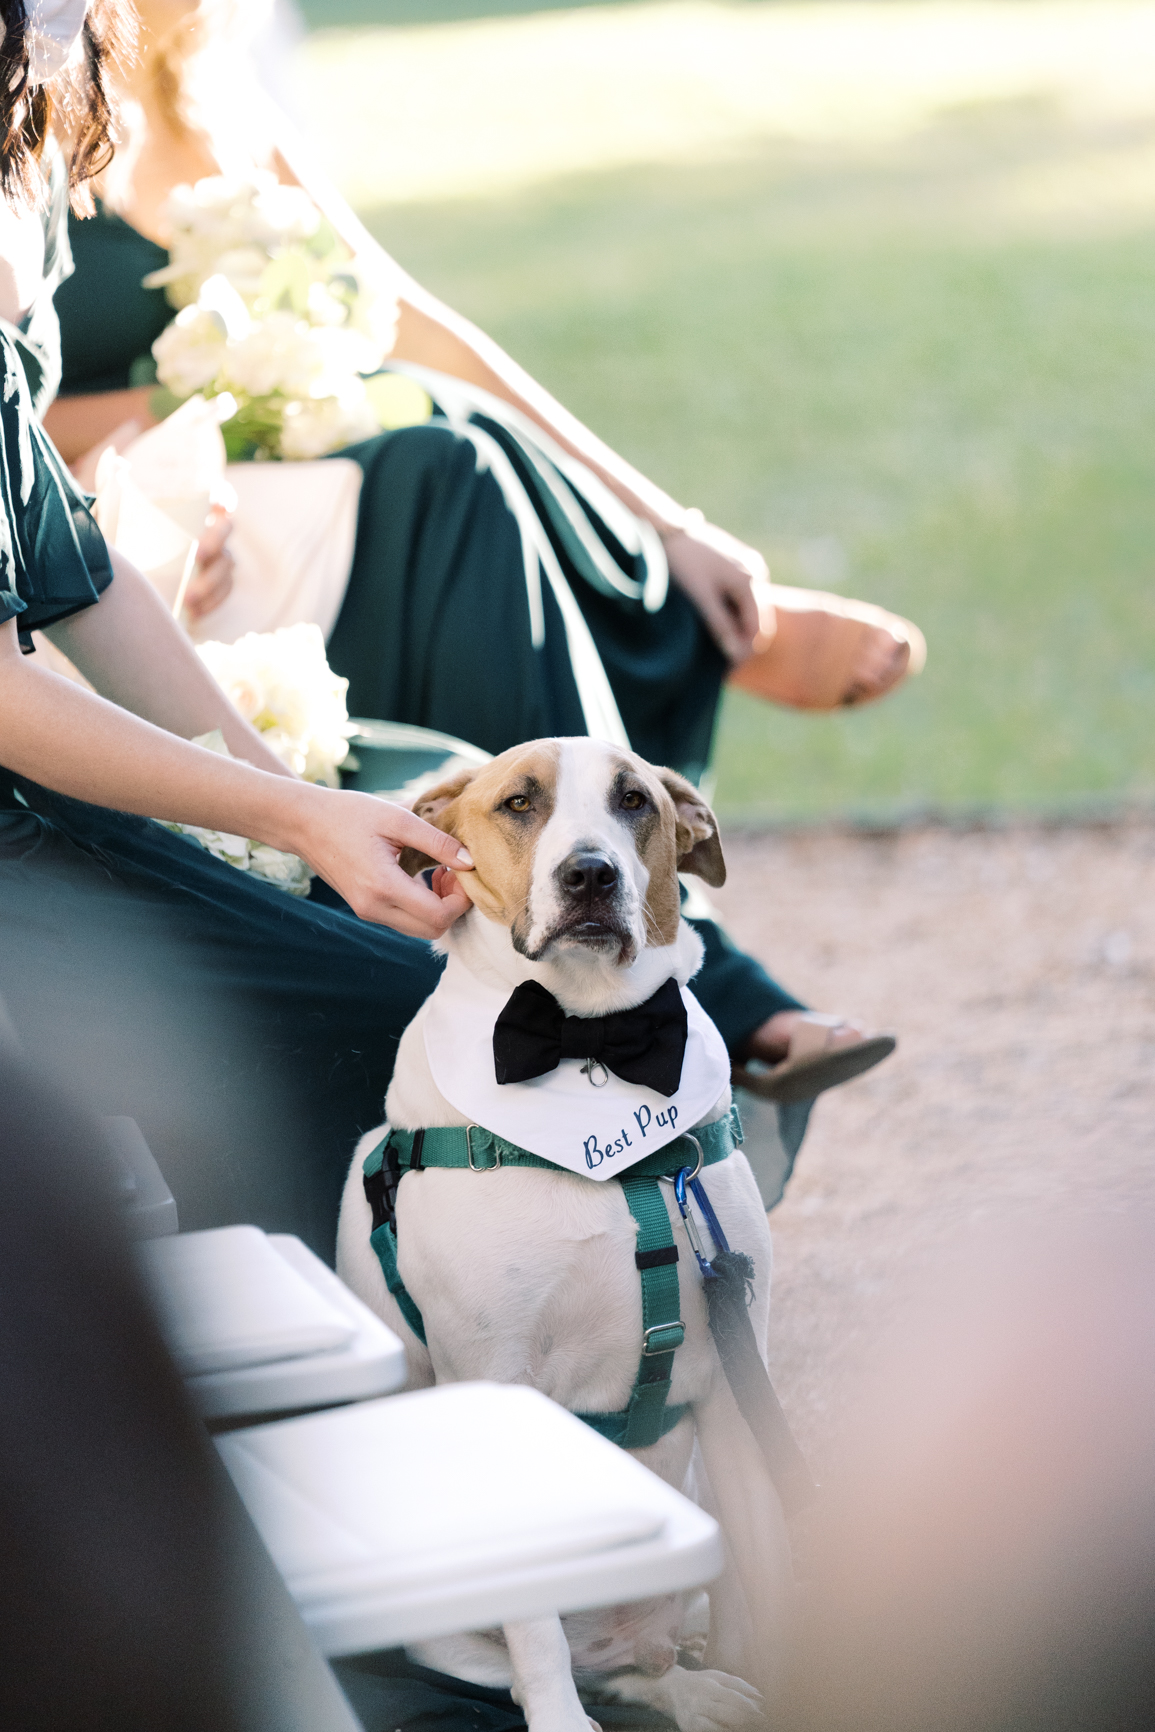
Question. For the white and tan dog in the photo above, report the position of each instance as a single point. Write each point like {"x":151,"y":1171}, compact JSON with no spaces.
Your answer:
{"x":528,"y":1275}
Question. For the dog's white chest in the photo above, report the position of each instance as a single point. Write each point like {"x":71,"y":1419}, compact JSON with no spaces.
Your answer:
{"x":598,"y":1132}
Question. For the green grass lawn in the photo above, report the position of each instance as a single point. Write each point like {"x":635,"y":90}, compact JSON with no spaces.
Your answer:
{"x":844,"y":362}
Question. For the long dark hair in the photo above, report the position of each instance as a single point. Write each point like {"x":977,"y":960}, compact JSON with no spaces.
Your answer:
{"x":77,"y":105}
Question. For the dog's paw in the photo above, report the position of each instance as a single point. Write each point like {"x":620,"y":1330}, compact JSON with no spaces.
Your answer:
{"x":710,"y":1701}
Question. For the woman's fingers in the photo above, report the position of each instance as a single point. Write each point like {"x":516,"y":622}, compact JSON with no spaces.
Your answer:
{"x":215,"y":569}
{"x":718,"y":573}
{"x":407,"y":830}
{"x":355,"y":840}
{"x":209,"y":585}
{"x":218,"y":527}
{"x":409,"y":905}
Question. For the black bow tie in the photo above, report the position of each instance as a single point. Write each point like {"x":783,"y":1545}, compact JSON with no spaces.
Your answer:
{"x":645,"y":1045}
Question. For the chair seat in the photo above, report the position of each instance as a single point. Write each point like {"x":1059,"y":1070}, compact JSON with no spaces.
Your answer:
{"x":257,"y":1324}
{"x":459,"y":1508}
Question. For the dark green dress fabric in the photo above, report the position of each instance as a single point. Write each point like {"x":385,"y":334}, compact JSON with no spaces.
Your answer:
{"x":250,"y":1034}
{"x":53,"y":560}
{"x":391,"y":1693}
{"x":108,"y":321}
{"x":435,"y":625}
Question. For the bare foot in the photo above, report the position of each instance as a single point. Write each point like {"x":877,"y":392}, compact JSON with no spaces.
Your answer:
{"x":798,"y":1054}
{"x":817,"y":651}
{"x":772,"y":1041}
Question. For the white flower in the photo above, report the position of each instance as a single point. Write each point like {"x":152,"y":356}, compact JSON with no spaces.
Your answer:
{"x":282,"y":683}
{"x":281,"y":353}
{"x":375,"y":316}
{"x":315,"y":426}
{"x":233,"y":849}
{"x":190,"y":352}
{"x":244,"y":267}
{"x":220,"y":216}
{"x":286,"y":871}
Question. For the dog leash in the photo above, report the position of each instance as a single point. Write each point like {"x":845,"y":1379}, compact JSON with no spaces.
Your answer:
{"x":649,"y":1415}
{"x":728,"y":1279}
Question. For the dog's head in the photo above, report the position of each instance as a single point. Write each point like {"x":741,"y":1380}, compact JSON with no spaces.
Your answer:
{"x":576,"y":844}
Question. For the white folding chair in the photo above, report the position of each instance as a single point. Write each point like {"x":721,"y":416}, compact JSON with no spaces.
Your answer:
{"x":397,"y":1520}
{"x":458,"y":1508}
{"x":258,"y":1325}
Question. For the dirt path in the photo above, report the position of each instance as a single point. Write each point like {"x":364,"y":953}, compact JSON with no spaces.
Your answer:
{"x":1018,"y":969}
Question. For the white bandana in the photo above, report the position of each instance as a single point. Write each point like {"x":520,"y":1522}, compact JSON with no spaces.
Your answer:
{"x":561,"y":1116}
{"x":54,"y":28}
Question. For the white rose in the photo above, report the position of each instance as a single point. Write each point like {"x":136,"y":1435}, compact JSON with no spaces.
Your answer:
{"x":289,"y":693}
{"x":316,"y":426}
{"x":281,"y":215}
{"x":286,"y":871}
{"x":279,"y":354}
{"x":375,"y":316}
{"x":234,"y":850}
{"x":346,"y":352}
{"x":244,"y":267}
{"x":190,"y":352}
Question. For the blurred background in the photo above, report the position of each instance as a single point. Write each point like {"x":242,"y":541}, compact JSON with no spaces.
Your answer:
{"x":871,"y":284}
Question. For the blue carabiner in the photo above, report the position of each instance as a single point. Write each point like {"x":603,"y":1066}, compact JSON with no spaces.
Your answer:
{"x":689,"y":1222}
{"x":712,"y":1220}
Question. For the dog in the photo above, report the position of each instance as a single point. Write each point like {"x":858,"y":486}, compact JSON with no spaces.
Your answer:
{"x":528,"y":1276}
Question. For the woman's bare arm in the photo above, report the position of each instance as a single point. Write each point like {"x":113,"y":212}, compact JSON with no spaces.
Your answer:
{"x":76,"y":424}
{"x":129,"y":649}
{"x":133,"y":754}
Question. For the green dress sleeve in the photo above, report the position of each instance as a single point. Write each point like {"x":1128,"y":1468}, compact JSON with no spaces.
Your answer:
{"x":53,"y":558}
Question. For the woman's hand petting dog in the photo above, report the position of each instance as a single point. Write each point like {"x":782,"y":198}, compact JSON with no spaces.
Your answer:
{"x":354,"y":840}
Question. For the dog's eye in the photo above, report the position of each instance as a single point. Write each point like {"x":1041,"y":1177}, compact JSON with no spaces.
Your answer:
{"x":633,"y":801}
{"x":518,"y":803}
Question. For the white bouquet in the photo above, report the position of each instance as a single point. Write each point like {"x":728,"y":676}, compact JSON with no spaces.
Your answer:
{"x":286,"y":871}
{"x":281,"y":683}
{"x":274,"y":312}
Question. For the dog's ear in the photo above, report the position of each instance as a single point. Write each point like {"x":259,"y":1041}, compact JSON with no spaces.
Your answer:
{"x":438,"y":806}
{"x":696,"y":838}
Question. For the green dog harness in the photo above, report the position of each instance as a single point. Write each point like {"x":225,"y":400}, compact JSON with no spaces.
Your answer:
{"x":648,"y":1416}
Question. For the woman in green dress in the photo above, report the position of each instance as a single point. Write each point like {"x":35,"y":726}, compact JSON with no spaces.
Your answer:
{"x":435,"y":626}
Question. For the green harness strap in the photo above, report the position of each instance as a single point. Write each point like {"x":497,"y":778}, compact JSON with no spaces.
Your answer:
{"x":647,"y":1417}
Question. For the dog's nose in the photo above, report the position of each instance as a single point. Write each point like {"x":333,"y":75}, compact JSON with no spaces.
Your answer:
{"x":587,"y":876}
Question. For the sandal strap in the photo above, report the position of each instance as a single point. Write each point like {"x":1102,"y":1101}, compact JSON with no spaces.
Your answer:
{"x":811,"y":1036}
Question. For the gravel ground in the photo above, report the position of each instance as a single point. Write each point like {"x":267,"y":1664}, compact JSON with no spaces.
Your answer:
{"x":1017,"y":968}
